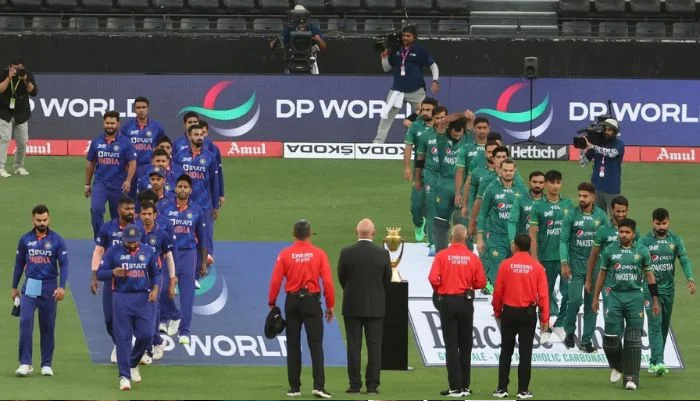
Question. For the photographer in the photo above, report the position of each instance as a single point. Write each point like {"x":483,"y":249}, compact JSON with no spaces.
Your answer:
{"x":16,"y":85}
{"x":607,"y":163}
{"x":299,"y":17}
{"x":406,"y":63}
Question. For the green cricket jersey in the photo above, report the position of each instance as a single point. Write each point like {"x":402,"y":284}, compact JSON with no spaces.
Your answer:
{"x":626,"y":266}
{"x":607,"y":235}
{"x":664,"y":252}
{"x":577,"y":233}
{"x":496,"y":207}
{"x":470,"y":151}
{"x":477,"y":176}
{"x":548,"y":216}
{"x":450,"y":151}
{"x":416,"y":134}
{"x":519,"y":221}
{"x":488,"y":179}
{"x":429,"y":147}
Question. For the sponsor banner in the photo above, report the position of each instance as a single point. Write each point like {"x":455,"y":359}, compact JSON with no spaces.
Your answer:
{"x":425,"y":321}
{"x":379,"y":151}
{"x":229,"y":312}
{"x":42,"y":147}
{"x":77,"y":147}
{"x":539,"y":152}
{"x":249,"y":149}
{"x":670,"y":155}
{"x":632,"y":153}
{"x":346,"y":109}
{"x":309,"y":150}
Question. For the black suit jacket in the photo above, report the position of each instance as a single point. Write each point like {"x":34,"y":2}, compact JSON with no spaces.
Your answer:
{"x":363,"y":271}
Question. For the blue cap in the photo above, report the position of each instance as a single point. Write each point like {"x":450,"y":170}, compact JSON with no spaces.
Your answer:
{"x":156,"y":170}
{"x":131,"y":233}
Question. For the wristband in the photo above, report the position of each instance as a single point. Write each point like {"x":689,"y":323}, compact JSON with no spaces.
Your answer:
{"x":654,"y":290}
{"x":87,"y":185}
{"x":419,"y":163}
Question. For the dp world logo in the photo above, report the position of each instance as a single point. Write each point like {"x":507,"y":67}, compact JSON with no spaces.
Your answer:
{"x":521,"y":118}
{"x":239,"y":112}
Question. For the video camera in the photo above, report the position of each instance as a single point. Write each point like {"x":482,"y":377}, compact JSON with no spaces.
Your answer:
{"x":390,"y":42}
{"x":300,"y":54}
{"x":595,"y":133}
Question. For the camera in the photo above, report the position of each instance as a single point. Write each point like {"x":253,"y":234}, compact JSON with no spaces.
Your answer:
{"x":595,"y":133}
{"x":390,"y":42}
{"x":21,"y":72}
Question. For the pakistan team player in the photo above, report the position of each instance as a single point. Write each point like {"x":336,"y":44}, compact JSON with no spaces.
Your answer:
{"x":519,"y":221}
{"x":546,"y":220}
{"x":577,"y":232}
{"x":416,"y":134}
{"x":471,"y":151}
{"x":627,"y":263}
{"x":664,"y":247}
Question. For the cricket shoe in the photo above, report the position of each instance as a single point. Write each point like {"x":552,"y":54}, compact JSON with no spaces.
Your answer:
{"x":293,"y":392}
{"x":588,"y":348}
{"x":4,"y":173}
{"x":452,"y":393}
{"x":46,"y":371}
{"x":197,"y":285}
{"x":570,"y":341}
{"x":652,"y":369}
{"x":21,"y":171}
{"x":146,"y":360}
{"x":113,"y":357}
{"x":420,"y":232}
{"x":163,"y":327}
{"x":546,"y":337}
{"x":661,"y":370}
{"x":500,"y":393}
{"x":24,"y":370}
{"x":135,"y":375}
{"x":523,"y":395}
{"x":615,"y":376}
{"x":321,"y":393}
{"x":173,"y":327}
{"x":124,"y":384}
{"x":184,"y":340}
{"x":559,"y":331}
{"x":630,"y":385}
{"x":158,"y":351}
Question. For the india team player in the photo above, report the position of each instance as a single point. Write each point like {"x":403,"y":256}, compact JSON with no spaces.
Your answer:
{"x":112,"y":160}
{"x":132,"y":269}
{"x":189,"y":119}
{"x":161,"y":159}
{"x":110,"y":234}
{"x":40,"y":254}
{"x":166,"y":144}
{"x":189,"y":223}
{"x":210,"y":146}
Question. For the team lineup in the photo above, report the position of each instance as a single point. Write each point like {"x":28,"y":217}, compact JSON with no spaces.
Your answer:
{"x":164,"y":198}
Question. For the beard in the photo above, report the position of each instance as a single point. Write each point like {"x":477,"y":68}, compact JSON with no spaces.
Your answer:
{"x":427,"y":118}
{"x":42,"y":229}
{"x":197,"y":144}
{"x":128,"y":218}
{"x":662,"y":232}
{"x":110,"y":131}
{"x":583,"y":205}
{"x":536,"y":191}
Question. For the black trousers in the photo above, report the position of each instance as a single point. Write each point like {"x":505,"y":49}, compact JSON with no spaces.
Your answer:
{"x":304,"y":311}
{"x":520,"y":322}
{"x":457,"y":318}
{"x":373,"y":326}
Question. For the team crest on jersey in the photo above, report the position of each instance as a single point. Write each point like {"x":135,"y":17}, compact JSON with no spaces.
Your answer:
{"x":47,"y":245}
{"x":637,"y":256}
{"x":152,"y":241}
{"x":596,"y":223}
{"x":116,"y":148}
{"x":167,"y":187}
{"x":132,"y":232}
{"x":671,"y":246}
{"x":142,"y":257}
{"x":202,"y":161}
{"x":149,"y":134}
{"x":190,"y":215}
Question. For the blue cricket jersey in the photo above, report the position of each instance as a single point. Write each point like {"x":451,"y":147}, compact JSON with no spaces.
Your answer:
{"x":143,"y":138}
{"x":203,"y":170}
{"x":181,"y":143}
{"x":111,"y":158}
{"x":157,"y":239}
{"x":110,"y":234}
{"x":189,"y":224}
{"x":141,"y":266}
{"x":171,"y":176}
{"x":40,"y":259}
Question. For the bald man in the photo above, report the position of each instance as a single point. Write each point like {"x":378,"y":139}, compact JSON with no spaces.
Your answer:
{"x":364,"y":270}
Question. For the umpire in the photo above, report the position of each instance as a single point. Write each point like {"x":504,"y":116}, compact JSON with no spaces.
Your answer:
{"x":455,"y":274}
{"x":521,"y":286}
{"x":302,"y":265}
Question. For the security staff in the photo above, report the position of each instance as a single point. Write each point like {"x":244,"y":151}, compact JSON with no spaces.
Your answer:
{"x":521,"y":285}
{"x":302,"y":265}
{"x":455,"y":274}
{"x":40,"y":253}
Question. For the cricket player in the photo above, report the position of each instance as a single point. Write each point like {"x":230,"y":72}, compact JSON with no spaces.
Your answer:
{"x":470,"y":151}
{"x":189,"y":223}
{"x":628,"y":263}
{"x":189,"y":119}
{"x":211,"y":147}
{"x":132,"y":270}
{"x":519,"y":221}
{"x":471,"y":184}
{"x":575,"y":242}
{"x":415,"y":135}
{"x":166,"y":144}
{"x":664,"y":248}
{"x":161,"y":159}
{"x":112,"y":160}
{"x":546,"y":220}
{"x":40,"y":254}
{"x":162,"y":243}
{"x":110,"y":234}
{"x":158,"y":183}
{"x":492,"y":223}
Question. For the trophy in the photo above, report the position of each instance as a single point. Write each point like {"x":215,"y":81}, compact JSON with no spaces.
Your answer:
{"x":393,"y":242}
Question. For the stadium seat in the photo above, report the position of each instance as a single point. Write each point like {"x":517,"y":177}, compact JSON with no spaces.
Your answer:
{"x":194,"y":24}
{"x":27,"y":4}
{"x":576,"y":28}
{"x":342,"y":25}
{"x":84,"y":24}
{"x":574,"y":6}
{"x":648,"y":30}
{"x":267,"y":25}
{"x":424,"y":27}
{"x":345,"y":4}
{"x":238,"y":4}
{"x":157,"y":24}
{"x":274,"y":4}
{"x":61,"y":4}
{"x":418,"y":5}
{"x":645,"y":6}
{"x":684,"y":30}
{"x":168,"y":5}
{"x":204,"y":5}
{"x":613,"y":29}
{"x":377,"y":26}
{"x":133,"y":5}
{"x":381,"y":5}
{"x":493,"y":30}
{"x":539,"y":30}
{"x":119,"y":24}
{"x":680,"y":6}
{"x":610,"y":6}
{"x":98,"y":5}
{"x":312,"y":4}
{"x":231,"y":25}
{"x":452,"y":5}
{"x":12,"y":23}
{"x":453,"y":27}
{"x":43,"y":23}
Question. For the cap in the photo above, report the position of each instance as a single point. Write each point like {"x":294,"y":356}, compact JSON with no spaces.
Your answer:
{"x":132,"y":233}
{"x":156,"y":170}
{"x":612,"y":123}
{"x":300,"y":7}
{"x":274,"y":324}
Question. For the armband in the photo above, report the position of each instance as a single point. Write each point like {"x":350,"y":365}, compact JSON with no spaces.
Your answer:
{"x":654,"y":290}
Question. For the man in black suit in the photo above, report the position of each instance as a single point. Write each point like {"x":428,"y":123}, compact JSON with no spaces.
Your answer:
{"x":364,"y":270}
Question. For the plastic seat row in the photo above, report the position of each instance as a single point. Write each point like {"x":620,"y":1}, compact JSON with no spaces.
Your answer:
{"x":618,"y":6}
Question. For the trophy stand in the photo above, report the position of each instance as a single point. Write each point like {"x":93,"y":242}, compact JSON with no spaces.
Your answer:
{"x":395,"y":335}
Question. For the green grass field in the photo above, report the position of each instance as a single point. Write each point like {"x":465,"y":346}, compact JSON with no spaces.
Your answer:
{"x":264,"y":198}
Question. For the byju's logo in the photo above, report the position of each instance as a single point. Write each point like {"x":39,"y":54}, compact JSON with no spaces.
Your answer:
{"x":523,"y":117}
{"x":207,"y":110}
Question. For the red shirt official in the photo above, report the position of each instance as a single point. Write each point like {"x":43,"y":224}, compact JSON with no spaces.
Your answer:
{"x":455,"y":270}
{"x":302,"y":264}
{"x":521,"y":282}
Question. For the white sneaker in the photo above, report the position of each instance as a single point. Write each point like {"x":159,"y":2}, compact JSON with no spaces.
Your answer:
{"x":21,"y":171}
{"x":146,"y":359}
{"x":124,"y":383}
{"x":184,"y":340}
{"x":546,"y":338}
{"x":4,"y":173}
{"x":197,"y":285}
{"x":210,"y":259}
{"x":135,"y":375}
{"x":163,"y":328}
{"x":113,"y":357}
{"x":173,"y":327}
{"x":158,"y":352}
{"x":615,"y":376}
{"x":560,"y":332}
{"x":24,"y":370}
{"x":630,"y":385}
{"x":46,"y":371}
